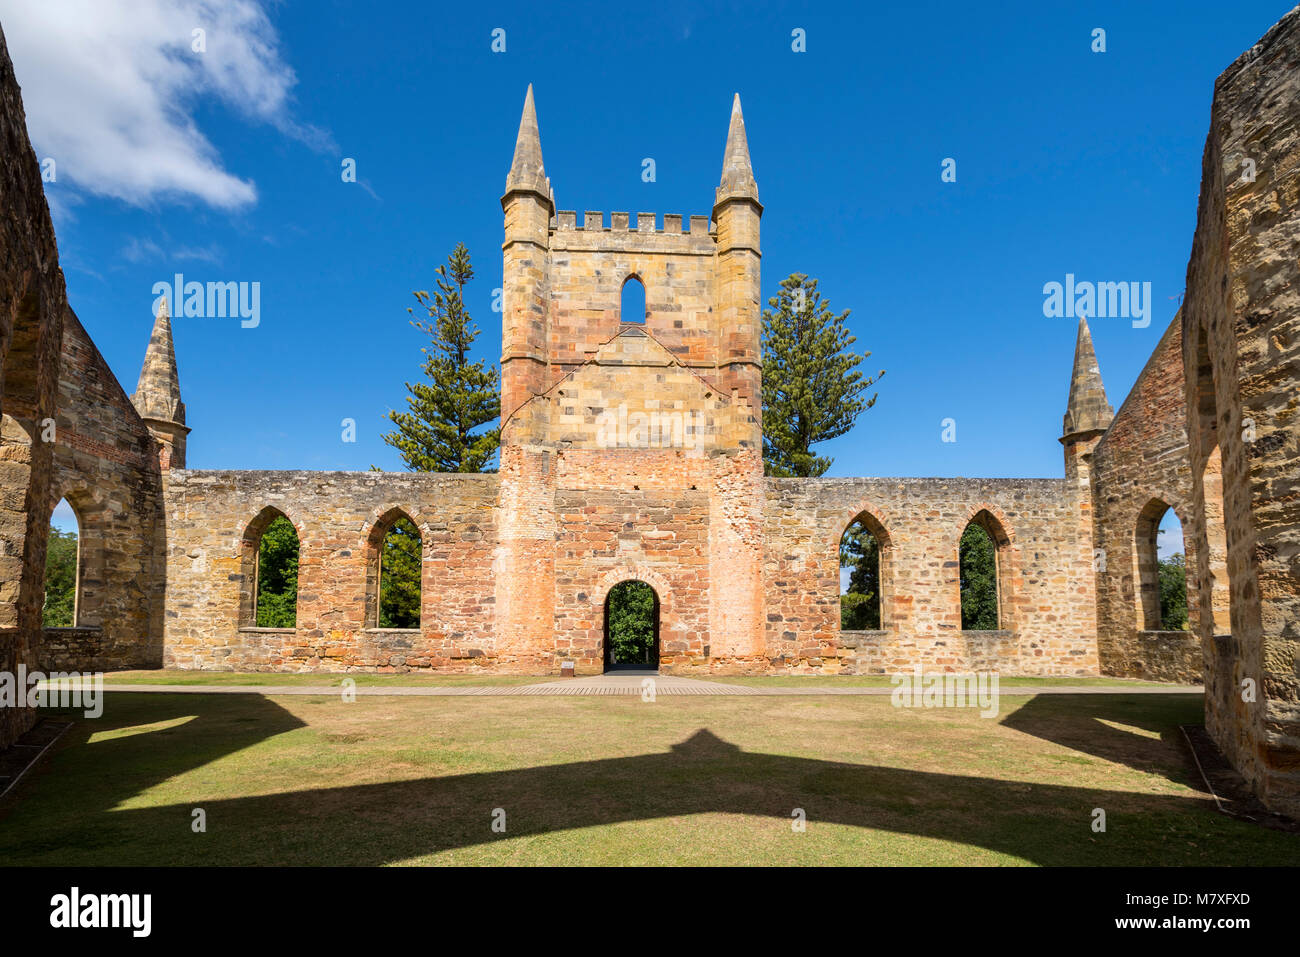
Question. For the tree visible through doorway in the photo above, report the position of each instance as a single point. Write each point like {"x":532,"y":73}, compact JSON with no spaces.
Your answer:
{"x":631,"y":625}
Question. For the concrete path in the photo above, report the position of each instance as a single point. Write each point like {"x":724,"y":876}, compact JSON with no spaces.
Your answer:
{"x":623,"y":684}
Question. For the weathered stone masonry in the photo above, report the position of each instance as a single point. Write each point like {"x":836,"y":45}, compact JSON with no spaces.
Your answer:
{"x":631,"y":449}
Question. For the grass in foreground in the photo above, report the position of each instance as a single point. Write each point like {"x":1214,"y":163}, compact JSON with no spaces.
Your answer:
{"x":603,"y":780}
{"x":314,"y":679}
{"x":885,"y":681}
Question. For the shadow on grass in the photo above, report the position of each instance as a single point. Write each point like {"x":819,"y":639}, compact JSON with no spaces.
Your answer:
{"x":86,"y":819}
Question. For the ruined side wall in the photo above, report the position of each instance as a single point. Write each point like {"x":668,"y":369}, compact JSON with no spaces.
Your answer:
{"x":106,"y":466}
{"x":1241,"y":335}
{"x":1046,"y":577}
{"x":208,"y":513}
{"x":1142,"y":458}
{"x":32,"y":303}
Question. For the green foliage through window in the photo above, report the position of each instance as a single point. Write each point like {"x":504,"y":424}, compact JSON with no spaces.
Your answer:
{"x":399,"y":576}
{"x":277,"y":575}
{"x":979,"y":580}
{"x":1173,"y":593}
{"x":631,"y":611}
{"x":860,"y":605}
{"x":60,"y":580}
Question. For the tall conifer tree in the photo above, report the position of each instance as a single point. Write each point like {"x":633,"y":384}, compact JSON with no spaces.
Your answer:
{"x":442,"y":431}
{"x":812,"y":389}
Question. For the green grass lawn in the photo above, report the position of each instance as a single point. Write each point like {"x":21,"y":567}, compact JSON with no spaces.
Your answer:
{"x":314,"y":679}
{"x":885,"y":681}
{"x":615,"y":780}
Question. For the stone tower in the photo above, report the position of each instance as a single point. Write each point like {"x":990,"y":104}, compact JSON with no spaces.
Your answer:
{"x":563,"y":285}
{"x":647,"y":425}
{"x":1087,"y":415}
{"x":158,"y":394}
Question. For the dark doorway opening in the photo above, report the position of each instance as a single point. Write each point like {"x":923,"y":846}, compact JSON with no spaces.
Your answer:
{"x":631,"y":628}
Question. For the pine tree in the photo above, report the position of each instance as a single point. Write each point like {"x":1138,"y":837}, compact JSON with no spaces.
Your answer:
{"x":812,"y":390}
{"x":442,"y":431}
{"x":860,"y":604}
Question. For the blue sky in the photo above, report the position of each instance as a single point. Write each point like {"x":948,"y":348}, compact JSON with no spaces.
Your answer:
{"x":1068,"y":161}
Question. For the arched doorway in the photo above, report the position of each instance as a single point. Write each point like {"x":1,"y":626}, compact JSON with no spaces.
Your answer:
{"x":631,"y":627}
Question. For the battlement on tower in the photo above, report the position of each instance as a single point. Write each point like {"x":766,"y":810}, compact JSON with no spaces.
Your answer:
{"x":565,"y":286}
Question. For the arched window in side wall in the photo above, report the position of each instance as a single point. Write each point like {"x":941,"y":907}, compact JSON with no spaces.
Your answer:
{"x":62,"y":568}
{"x":394,"y":572}
{"x":269,"y":566}
{"x":1161,"y":569}
{"x":983,"y":552}
{"x":1213,"y":587}
{"x":632,"y":308}
{"x":864,"y":566}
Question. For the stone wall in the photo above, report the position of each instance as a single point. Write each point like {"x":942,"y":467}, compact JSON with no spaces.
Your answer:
{"x":1045,"y":576}
{"x":1241,"y":349}
{"x":517,"y":567}
{"x":1139,"y":468}
{"x":106,"y":466}
{"x":33,"y":299}
{"x":211,"y":521}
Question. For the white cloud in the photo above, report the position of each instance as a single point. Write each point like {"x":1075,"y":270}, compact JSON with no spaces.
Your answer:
{"x":146,"y":250}
{"x":110,"y":87}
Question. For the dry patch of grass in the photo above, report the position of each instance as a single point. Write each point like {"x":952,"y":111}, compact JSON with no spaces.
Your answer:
{"x":610,"y":780}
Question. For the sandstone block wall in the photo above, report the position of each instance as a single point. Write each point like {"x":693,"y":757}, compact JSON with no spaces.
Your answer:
{"x":1045,"y":576}
{"x":106,"y":466}
{"x":1241,"y":347}
{"x":1138,"y":467}
{"x":208,"y":517}
{"x":32,"y":303}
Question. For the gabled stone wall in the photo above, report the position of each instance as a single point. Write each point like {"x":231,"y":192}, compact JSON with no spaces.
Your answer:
{"x":1140,"y":461}
{"x":106,"y":466}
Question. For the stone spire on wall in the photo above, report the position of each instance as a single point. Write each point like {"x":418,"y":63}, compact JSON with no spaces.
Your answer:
{"x":1088,"y":410}
{"x":158,"y":393}
{"x":737,"y":173}
{"x":527,"y":173}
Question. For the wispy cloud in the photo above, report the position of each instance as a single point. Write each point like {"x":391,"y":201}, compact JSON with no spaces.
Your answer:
{"x":146,"y":250}
{"x":111,"y":86}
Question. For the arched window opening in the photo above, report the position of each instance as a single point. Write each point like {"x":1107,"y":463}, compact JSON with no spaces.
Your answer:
{"x":633,"y":308}
{"x":864,"y":551}
{"x":981,"y":554}
{"x":1161,"y":569}
{"x":277,"y":576}
{"x":269,"y":565}
{"x":1216,"y":544}
{"x":62,"y":568}
{"x":631,"y":627}
{"x":396,"y":559}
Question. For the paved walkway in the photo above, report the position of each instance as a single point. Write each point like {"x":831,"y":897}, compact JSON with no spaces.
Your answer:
{"x":620,"y":684}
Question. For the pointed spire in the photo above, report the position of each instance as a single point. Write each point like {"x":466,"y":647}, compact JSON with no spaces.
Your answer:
{"x":526,"y":171}
{"x":737,"y":173}
{"x":158,"y":393}
{"x":1088,"y":410}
